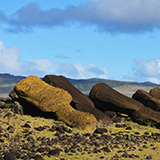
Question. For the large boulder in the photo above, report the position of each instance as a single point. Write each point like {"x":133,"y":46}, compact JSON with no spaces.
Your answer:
{"x":155,"y":92}
{"x":148,"y":100}
{"x":106,"y":98}
{"x":80,"y":101}
{"x":54,"y":100}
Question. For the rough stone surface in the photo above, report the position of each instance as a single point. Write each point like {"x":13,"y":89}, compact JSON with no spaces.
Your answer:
{"x":155,"y":92}
{"x":80,"y":101}
{"x":55,"y":100}
{"x":106,"y":98}
{"x":148,"y":100}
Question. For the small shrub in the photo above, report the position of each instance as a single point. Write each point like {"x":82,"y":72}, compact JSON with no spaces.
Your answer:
{"x":5,"y":106}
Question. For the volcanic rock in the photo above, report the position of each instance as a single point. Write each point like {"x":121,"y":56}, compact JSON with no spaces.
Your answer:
{"x":147,"y":99}
{"x":46,"y":98}
{"x":155,"y":92}
{"x":106,"y":98}
{"x":80,"y":101}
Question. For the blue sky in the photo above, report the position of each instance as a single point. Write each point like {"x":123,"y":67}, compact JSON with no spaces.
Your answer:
{"x":112,"y":39}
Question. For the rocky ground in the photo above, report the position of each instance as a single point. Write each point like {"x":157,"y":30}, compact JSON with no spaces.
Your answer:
{"x":35,"y":138}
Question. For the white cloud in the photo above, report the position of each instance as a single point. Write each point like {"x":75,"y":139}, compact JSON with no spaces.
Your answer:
{"x":79,"y":71}
{"x":11,"y":63}
{"x":107,"y":15}
{"x":146,"y":71}
{"x":9,"y":59}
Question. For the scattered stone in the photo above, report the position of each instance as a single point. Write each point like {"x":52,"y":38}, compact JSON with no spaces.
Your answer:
{"x":26,"y":125}
{"x":120,"y":125}
{"x":54,"y":152}
{"x":43,"y":149}
{"x":146,"y":133}
{"x":128,"y":128}
{"x":149,"y":157}
{"x":101,"y":157}
{"x":60,"y":129}
{"x":40,"y":128}
{"x":38,"y":157}
{"x":101,"y":130}
{"x":126,"y":155}
{"x":11,"y":129}
{"x":106,"y":149}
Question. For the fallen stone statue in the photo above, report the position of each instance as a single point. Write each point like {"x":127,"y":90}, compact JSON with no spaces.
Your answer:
{"x":32,"y":90}
{"x":105,"y":98}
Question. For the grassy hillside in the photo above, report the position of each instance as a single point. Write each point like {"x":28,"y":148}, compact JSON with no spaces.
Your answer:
{"x":7,"y":83}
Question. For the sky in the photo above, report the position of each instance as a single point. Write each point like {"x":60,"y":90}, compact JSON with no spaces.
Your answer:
{"x":111,"y":39}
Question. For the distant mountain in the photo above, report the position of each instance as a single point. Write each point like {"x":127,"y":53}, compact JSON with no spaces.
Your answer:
{"x":7,"y":83}
{"x":9,"y":79}
{"x":86,"y":84}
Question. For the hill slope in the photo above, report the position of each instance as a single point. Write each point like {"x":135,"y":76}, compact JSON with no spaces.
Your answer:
{"x":7,"y":83}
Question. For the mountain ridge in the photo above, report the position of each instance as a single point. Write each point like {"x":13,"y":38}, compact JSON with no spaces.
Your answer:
{"x":8,"y":81}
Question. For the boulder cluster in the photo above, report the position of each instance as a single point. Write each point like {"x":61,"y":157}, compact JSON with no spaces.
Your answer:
{"x":55,"y":97}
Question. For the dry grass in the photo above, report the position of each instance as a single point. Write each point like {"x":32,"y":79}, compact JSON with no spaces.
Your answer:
{"x":18,"y":121}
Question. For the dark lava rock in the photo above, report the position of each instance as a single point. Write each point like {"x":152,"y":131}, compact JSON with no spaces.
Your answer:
{"x":9,"y":156}
{"x":106,"y":149}
{"x":26,"y":125}
{"x":111,"y":114}
{"x":6,"y":135}
{"x":146,"y":133}
{"x":120,"y":125}
{"x":101,"y":157}
{"x":11,"y":129}
{"x":54,"y":152}
{"x":128,"y":128}
{"x":1,"y":129}
{"x":126,"y":155}
{"x":43,"y":149}
{"x":40,"y":128}
{"x":38,"y":157}
{"x":101,"y":130}
{"x":149,"y":157}
{"x":25,"y":157}
{"x":53,"y":128}
{"x":87,"y":134}
{"x":60,"y":129}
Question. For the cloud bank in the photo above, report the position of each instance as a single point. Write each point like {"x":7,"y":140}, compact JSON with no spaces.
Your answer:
{"x":113,"y":16}
{"x":146,"y":71}
{"x":10,"y":63}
